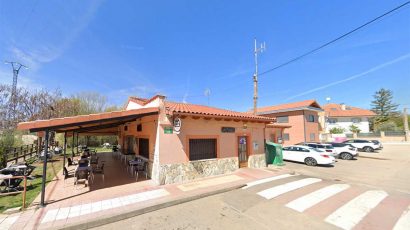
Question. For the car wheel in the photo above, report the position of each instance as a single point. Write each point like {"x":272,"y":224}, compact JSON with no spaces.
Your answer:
{"x":310,"y":161}
{"x":346,"y":156}
{"x":368,"y":149}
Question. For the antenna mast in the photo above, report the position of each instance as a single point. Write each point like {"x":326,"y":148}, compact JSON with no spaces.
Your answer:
{"x":255,"y":76}
{"x":13,"y":99}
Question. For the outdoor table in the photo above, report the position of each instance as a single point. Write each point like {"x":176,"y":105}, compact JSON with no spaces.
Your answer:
{"x":138,"y":160}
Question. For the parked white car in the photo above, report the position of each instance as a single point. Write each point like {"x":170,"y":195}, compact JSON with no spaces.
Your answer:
{"x":326,"y":148}
{"x":345,"y":151}
{"x":363,"y":145}
{"x":308,"y":155}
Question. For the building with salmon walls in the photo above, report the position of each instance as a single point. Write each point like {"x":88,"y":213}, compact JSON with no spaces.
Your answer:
{"x":180,"y":142}
{"x":300,"y":118}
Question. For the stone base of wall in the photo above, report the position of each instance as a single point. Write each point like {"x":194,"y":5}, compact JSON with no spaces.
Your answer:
{"x":257,"y":161}
{"x":176,"y":173}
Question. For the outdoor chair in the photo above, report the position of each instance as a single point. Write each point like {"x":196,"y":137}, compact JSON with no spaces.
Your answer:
{"x":83,"y":163}
{"x":94,"y":160}
{"x":71,"y":162}
{"x":67,"y":174}
{"x":82,"y":176}
{"x":141,"y":167}
{"x":100,"y":170}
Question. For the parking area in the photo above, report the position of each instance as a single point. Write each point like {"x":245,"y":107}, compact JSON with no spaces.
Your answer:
{"x":388,"y":168}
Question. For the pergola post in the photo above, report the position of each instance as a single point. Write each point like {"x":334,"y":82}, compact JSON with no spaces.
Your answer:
{"x":43,"y":183}
{"x":77,"y":145}
{"x":72,"y":147}
{"x":64,"y":149}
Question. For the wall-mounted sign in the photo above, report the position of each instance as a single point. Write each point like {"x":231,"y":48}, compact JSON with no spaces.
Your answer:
{"x":168,"y":130}
{"x":177,"y":125}
{"x":228,"y":129}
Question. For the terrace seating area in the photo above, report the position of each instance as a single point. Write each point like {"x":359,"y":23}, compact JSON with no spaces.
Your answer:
{"x":97,"y":176}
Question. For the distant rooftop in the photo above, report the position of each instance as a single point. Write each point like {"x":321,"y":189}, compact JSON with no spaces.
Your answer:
{"x":342,"y":110}
{"x":294,"y":106}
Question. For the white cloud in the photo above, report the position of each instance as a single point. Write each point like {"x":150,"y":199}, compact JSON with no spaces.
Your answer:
{"x":401,"y":58}
{"x":41,"y":51}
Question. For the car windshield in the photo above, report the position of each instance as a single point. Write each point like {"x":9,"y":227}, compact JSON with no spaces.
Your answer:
{"x":316,"y":150}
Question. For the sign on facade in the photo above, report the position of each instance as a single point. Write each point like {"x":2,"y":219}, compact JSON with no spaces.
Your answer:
{"x":168,"y":130}
{"x":228,"y":129}
{"x":177,"y":125}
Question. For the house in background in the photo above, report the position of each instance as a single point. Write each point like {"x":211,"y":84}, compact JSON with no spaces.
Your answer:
{"x":299,"y":120}
{"x":343,"y":116}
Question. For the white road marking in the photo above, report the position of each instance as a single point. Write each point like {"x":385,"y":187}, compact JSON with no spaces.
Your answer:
{"x":311,"y":199}
{"x":50,"y":216}
{"x":266,"y":180}
{"x":63,"y":213}
{"x":350,"y":214}
{"x":83,"y":209}
{"x":8,"y":221}
{"x":404,"y":222}
{"x":284,"y":188}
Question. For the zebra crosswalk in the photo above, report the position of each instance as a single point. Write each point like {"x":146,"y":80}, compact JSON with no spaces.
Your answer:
{"x":349,"y":214}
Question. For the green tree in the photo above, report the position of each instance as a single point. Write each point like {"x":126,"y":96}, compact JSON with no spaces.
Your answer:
{"x":6,"y":142}
{"x":383,"y":106}
{"x":354,"y":129}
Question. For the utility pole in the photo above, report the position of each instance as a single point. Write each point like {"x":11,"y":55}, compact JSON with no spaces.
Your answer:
{"x":406,"y":125}
{"x":255,"y":76}
{"x":13,"y":99}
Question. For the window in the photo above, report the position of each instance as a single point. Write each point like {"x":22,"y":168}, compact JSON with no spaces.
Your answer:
{"x":286,"y":136}
{"x":311,"y":118}
{"x":312,"y":137}
{"x":283,"y":119}
{"x":312,"y":145}
{"x":139,"y":127}
{"x":125,"y":128}
{"x":299,"y":149}
{"x":334,"y":109}
{"x":356,"y":120}
{"x":200,"y":149}
{"x":332,"y":120}
{"x":143,"y":147}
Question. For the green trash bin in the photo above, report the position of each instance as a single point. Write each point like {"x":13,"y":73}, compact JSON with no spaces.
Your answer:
{"x":274,"y":154}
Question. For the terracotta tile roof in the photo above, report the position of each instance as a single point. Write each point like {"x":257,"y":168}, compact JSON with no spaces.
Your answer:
{"x":300,"y":105}
{"x":182,"y":108}
{"x":335,"y":110}
{"x":138,"y":100}
{"x":78,"y":120}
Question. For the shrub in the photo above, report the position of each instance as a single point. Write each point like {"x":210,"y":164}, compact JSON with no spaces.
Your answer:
{"x":337,"y":130}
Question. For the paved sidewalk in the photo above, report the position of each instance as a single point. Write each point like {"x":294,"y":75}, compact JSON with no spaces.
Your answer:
{"x":136,"y":202}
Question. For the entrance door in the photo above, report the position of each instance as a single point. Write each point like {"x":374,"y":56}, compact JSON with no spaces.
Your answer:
{"x":130,"y":145}
{"x":243,"y":151}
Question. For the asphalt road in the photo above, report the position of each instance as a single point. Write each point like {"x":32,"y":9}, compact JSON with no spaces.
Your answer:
{"x":371,"y":192}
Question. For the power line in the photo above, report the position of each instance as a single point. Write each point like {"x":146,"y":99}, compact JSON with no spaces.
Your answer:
{"x":334,"y":40}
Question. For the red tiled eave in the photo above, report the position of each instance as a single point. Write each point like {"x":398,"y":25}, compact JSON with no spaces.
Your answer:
{"x":182,"y":108}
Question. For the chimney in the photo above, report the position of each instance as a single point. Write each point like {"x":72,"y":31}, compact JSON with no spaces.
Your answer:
{"x":343,"y":106}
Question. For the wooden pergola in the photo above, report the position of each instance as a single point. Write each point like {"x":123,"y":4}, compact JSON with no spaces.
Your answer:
{"x":90,"y":125}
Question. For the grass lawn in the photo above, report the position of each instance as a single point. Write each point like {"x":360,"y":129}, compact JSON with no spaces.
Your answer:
{"x":12,"y":201}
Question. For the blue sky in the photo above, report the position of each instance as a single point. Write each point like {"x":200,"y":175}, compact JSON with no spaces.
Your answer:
{"x":182,"y":48}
